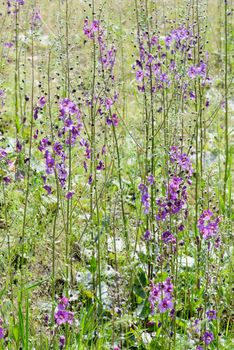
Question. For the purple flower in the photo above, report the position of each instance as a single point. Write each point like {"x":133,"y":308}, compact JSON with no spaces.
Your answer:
{"x":61,"y":317}
{"x":207,"y":227}
{"x":7,"y":180}
{"x":64,"y":301}
{"x":108,"y":103}
{"x":90,"y":181}
{"x":18,"y":146}
{"x":185,"y":163}
{"x":139,"y":75}
{"x":68,"y":107}
{"x":62,"y":173}
{"x":115,"y":120}
{"x":208,"y":337}
{"x":47,"y":188}
{"x":2,"y":333}
{"x":154,"y":40}
{"x":165,"y":304}
{"x":192,"y":95}
{"x":62,"y":341}
{"x":49,"y":163}
{"x":36,"y":18}
{"x":100,"y":165}
{"x":151,"y":179}
{"x":42,"y":101}
{"x":199,"y":347}
{"x":3,"y":153}
{"x":168,"y":237}
{"x":70,"y":194}
{"x":199,"y":70}
{"x":154,"y":297}
{"x":211,"y":315}
{"x":35,"y":136}
{"x":147,"y":235}
{"x":8,"y":44}
{"x":161,"y":294}
{"x":145,"y":198}
{"x":58,"y":148}
{"x":44,"y":143}
{"x":35,"y":113}
{"x":68,"y":124}
{"x":192,"y":73}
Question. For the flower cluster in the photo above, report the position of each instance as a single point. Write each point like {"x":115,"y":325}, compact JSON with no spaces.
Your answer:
{"x":204,"y":337}
{"x":7,"y":165}
{"x":197,"y":71}
{"x":62,"y":315}
{"x":36,"y":18}
{"x":208,"y":227}
{"x":14,"y":4}
{"x":176,"y":189}
{"x":107,"y":55}
{"x":161,"y":296}
{"x":55,"y":154}
{"x":159,"y":63}
{"x":91,"y":28}
{"x":145,"y":197}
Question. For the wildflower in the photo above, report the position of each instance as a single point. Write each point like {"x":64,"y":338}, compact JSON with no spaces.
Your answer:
{"x":147,"y":235}
{"x":207,"y":227}
{"x":36,"y":18}
{"x":58,"y":148}
{"x":62,"y":341}
{"x":44,"y":143}
{"x":64,"y":301}
{"x":18,"y":146}
{"x":192,"y":95}
{"x":62,"y":173}
{"x":165,"y":304}
{"x":35,"y":113}
{"x":100,"y":165}
{"x":47,"y":188}
{"x":90,"y":181}
{"x":211,"y":315}
{"x":151,"y":179}
{"x":2,"y":332}
{"x":139,"y":75}
{"x":7,"y":180}
{"x":3,"y":153}
{"x":70,"y":194}
{"x":154,"y":40}
{"x":108,"y":103}
{"x":168,"y":237}
{"x":145,"y":197}
{"x":61,"y":317}
{"x":42,"y":101}
{"x":161,"y":294}
{"x":49,"y":163}
{"x":208,"y":337}
{"x":115,"y":120}
{"x":8,"y":44}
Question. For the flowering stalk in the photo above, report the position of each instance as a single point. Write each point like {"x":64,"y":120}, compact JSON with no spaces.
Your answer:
{"x":226,"y":169}
{"x":22,"y":267}
{"x":69,"y":202}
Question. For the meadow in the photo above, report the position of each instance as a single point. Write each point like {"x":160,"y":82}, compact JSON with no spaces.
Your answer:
{"x":116,"y":165}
